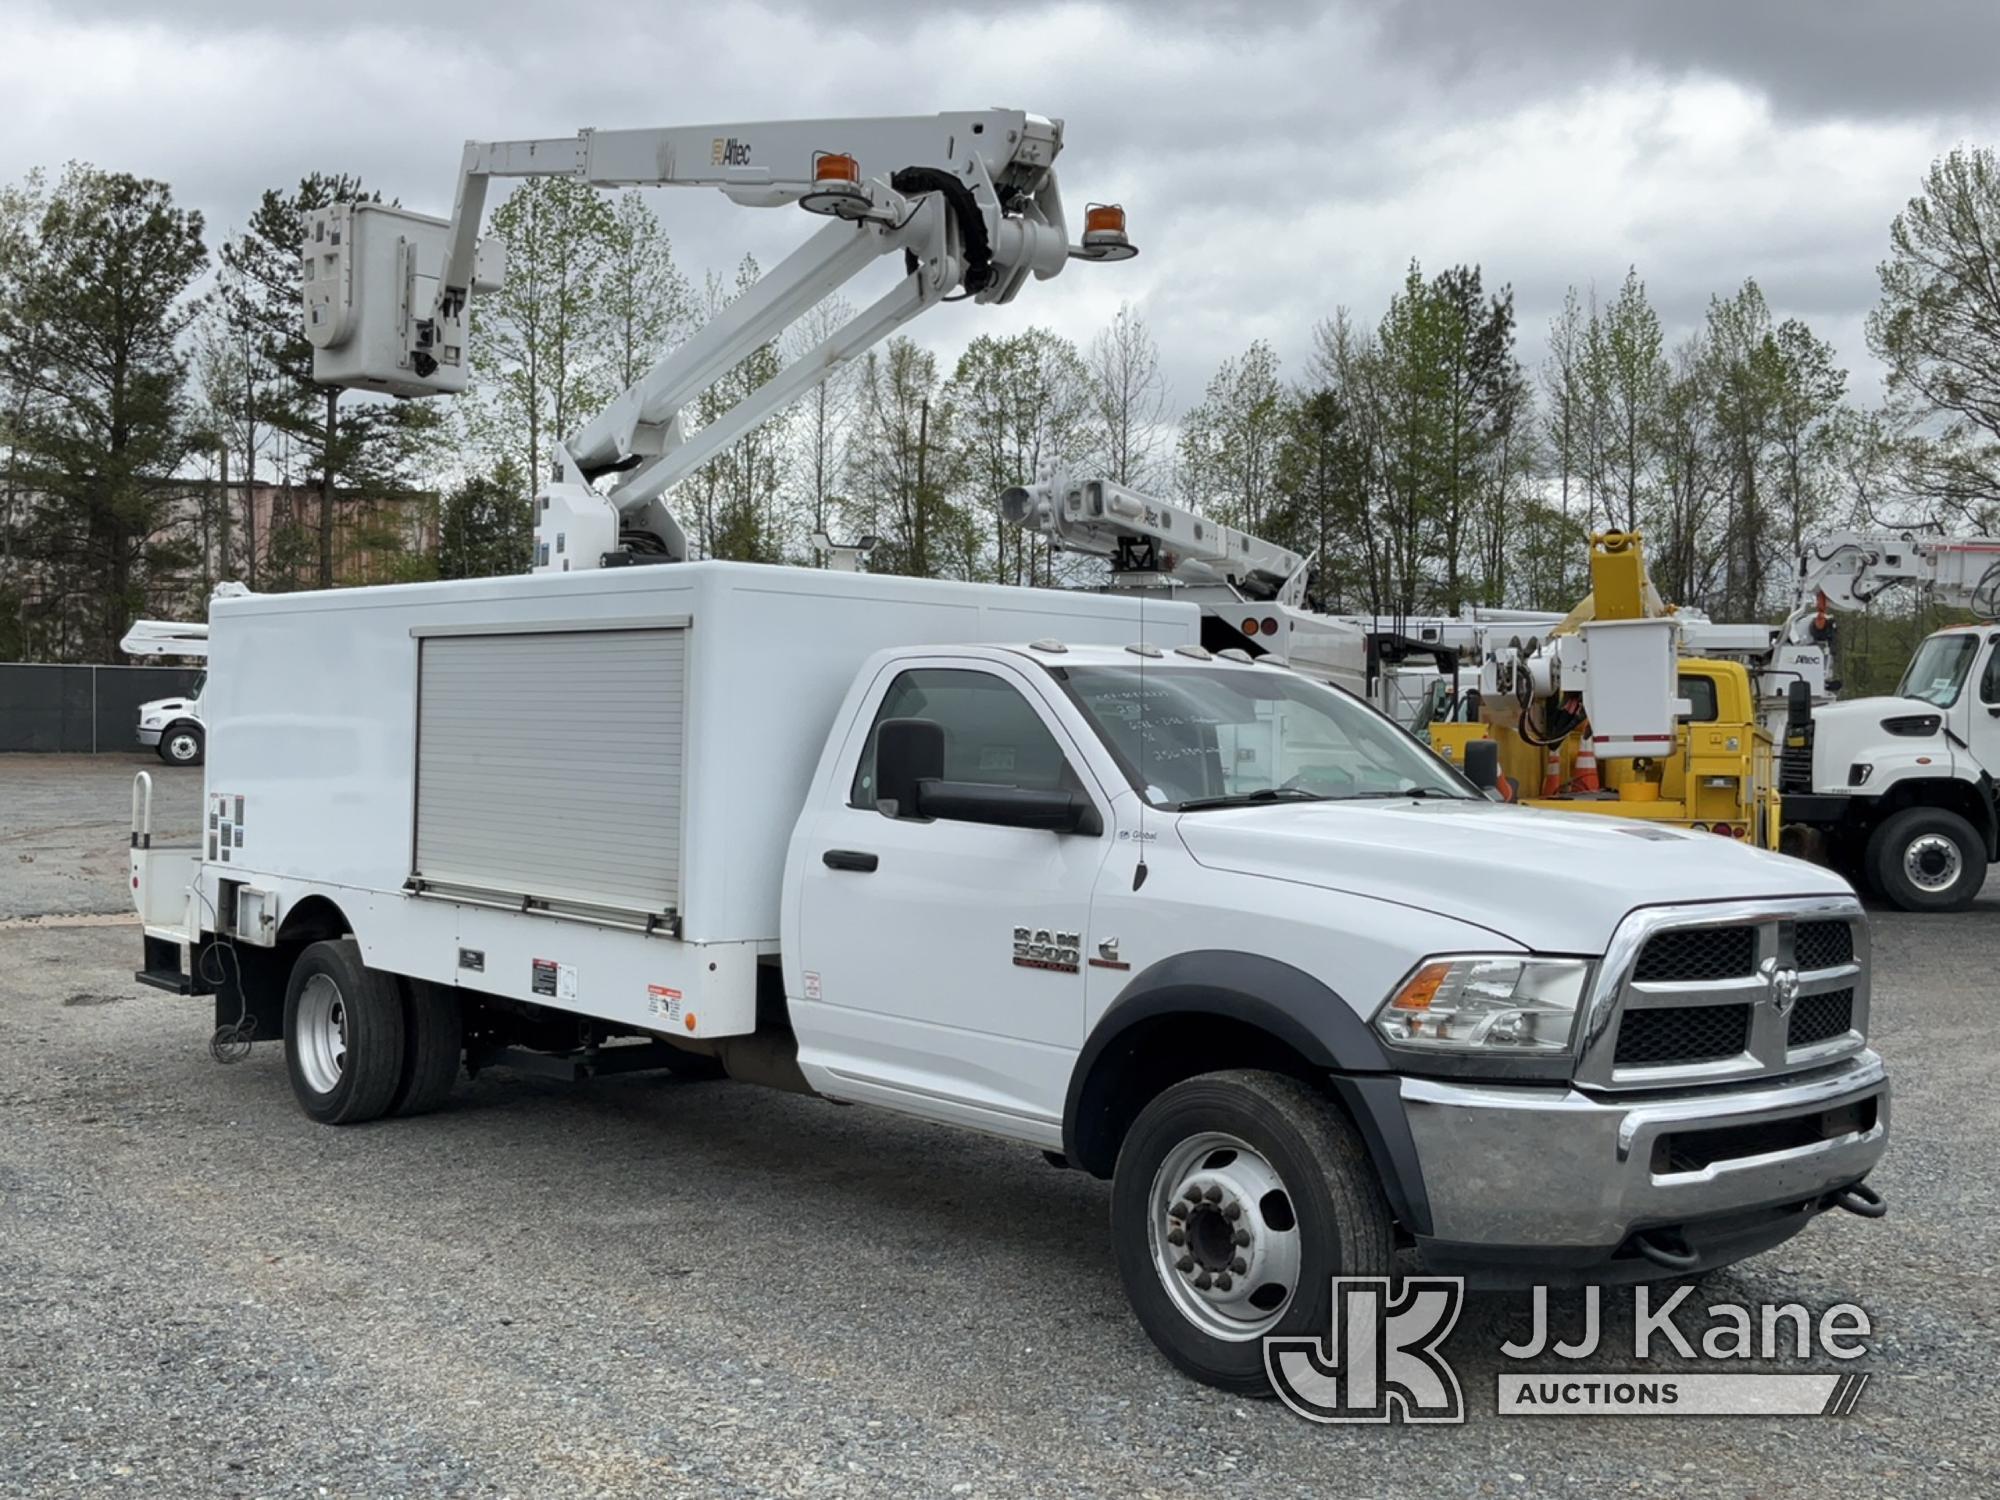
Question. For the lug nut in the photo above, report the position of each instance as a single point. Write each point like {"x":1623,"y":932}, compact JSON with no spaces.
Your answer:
{"x":1214,"y":1195}
{"x":1194,"y":1195}
{"x":1184,"y":1264}
{"x":1178,"y":1211}
{"x":1176,"y":1237}
{"x":1203,"y":1282}
{"x":1239,"y":1265}
{"x":1223,"y":1283}
{"x":1242,"y":1238}
{"x":1233,"y":1212}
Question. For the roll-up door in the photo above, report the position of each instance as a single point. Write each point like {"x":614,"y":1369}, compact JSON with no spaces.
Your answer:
{"x":550,"y":768}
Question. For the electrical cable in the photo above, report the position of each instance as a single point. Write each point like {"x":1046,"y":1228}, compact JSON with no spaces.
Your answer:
{"x":230,"y":1042}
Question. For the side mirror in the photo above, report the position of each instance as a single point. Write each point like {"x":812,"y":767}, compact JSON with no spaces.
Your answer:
{"x":907,"y":751}
{"x":1009,"y":806}
{"x":1482,"y":766}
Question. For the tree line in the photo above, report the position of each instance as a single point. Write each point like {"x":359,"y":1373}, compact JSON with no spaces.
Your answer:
{"x":162,"y":432}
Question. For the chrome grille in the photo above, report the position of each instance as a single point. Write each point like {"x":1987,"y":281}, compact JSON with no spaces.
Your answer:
{"x":1725,"y":991}
{"x":1682,"y":1033}
{"x":1817,"y":1018}
{"x":1825,"y":945}
{"x":1690,"y":955}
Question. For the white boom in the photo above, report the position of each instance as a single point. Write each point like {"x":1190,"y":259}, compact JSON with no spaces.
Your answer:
{"x":166,"y":638}
{"x":1850,"y":568}
{"x":970,"y":200}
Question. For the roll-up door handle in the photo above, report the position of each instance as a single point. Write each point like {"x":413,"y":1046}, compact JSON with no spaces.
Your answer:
{"x":850,"y":859}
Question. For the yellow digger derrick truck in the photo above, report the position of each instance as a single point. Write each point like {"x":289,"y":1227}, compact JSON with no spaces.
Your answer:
{"x":1704,"y":762}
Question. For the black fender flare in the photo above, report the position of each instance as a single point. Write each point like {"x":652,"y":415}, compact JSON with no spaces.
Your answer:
{"x":1294,"y":1008}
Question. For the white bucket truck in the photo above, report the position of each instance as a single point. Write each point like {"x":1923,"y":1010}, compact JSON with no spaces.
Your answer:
{"x":1203,"y":927}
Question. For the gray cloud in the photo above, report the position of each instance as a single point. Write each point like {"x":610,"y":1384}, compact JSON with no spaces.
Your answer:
{"x":1811,"y":57}
{"x":1278,"y":160}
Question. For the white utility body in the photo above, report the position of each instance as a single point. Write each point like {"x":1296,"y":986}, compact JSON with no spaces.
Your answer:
{"x":1031,"y":862}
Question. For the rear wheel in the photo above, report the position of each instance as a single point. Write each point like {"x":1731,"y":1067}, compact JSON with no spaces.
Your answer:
{"x":433,"y":1047}
{"x":1927,"y":859}
{"x":182,"y":745}
{"x":343,"y":1035}
{"x":1238,"y":1197}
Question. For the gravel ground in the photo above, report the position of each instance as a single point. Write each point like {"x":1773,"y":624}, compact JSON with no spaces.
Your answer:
{"x":644,"y":1288}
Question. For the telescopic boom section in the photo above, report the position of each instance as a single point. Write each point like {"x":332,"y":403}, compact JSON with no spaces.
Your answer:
{"x":1846,"y":569}
{"x":1147,"y":539}
{"x":970,"y":201}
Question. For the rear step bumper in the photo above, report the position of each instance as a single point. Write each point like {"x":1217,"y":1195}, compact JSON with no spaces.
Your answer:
{"x":163,"y":969}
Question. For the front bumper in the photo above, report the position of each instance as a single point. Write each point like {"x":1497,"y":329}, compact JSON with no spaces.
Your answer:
{"x":150,"y":738}
{"x":1552,"y":1184}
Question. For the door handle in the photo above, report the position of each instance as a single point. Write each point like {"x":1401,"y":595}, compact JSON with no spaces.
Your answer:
{"x":850,"y":859}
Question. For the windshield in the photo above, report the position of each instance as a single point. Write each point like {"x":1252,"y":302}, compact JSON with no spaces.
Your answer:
{"x":1196,"y":737}
{"x":1938,"y":671}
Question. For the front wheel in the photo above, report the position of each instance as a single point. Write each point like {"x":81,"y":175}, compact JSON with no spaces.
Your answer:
{"x":182,"y":745}
{"x":1238,"y":1197}
{"x":1927,"y":859}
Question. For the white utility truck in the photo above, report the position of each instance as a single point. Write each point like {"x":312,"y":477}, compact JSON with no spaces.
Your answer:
{"x":1210,"y":929}
{"x":1029,"y":862}
{"x":1899,"y":791}
{"x":171,"y":726}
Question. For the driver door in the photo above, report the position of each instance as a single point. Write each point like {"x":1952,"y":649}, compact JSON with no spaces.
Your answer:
{"x":943,"y":967}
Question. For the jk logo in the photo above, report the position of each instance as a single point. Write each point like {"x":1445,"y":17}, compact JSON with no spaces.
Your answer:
{"x":1380,"y":1362}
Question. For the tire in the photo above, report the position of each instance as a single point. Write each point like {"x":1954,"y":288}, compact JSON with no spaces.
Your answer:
{"x":183,"y":745}
{"x":343,"y":1035}
{"x":433,"y":1047}
{"x":1926,"y":859}
{"x":1277,"y":1150}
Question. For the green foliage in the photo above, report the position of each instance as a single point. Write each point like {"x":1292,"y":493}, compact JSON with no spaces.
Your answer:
{"x":1937,"y":328}
{"x":539,"y":343}
{"x":88,"y":338}
{"x":487,"y":526}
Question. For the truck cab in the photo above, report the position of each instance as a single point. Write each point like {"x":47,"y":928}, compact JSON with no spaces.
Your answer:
{"x":1902,"y":792}
{"x":173,"y":727}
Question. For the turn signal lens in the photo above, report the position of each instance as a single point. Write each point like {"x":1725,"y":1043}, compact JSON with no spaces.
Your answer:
{"x":1486,"y":1004}
{"x":1249,"y":627}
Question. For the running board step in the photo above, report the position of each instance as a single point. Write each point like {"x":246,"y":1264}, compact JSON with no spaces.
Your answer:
{"x":163,"y":970}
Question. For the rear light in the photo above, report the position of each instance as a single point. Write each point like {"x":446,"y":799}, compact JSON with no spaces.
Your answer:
{"x":1270,"y":626}
{"x":1701,"y":828}
{"x":1249,"y":627}
{"x":1727,"y":830}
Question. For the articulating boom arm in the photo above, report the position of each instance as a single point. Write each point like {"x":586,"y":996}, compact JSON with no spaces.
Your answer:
{"x":1147,"y":539}
{"x":970,"y":200}
{"x":1847,"y":569}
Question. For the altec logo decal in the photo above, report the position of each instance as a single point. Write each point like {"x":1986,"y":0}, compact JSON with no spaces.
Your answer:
{"x":729,"y":152}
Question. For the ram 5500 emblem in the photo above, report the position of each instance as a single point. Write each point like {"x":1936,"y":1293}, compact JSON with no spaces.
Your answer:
{"x":1041,"y":948}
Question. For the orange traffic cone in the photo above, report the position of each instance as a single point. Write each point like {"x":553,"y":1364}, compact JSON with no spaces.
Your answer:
{"x":1552,"y":773}
{"x":1586,"y":768}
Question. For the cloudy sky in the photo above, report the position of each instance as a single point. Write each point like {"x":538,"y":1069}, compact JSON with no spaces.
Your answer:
{"x":1277,"y":159}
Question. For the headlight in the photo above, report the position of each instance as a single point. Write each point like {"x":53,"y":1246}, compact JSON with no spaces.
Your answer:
{"x":1486,"y":1004}
{"x":151,"y":721}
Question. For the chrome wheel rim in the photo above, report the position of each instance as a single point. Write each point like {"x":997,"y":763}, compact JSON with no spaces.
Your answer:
{"x":1932,"y":863}
{"x":181,"y":747}
{"x":1224,"y":1236}
{"x":322,"y":1038}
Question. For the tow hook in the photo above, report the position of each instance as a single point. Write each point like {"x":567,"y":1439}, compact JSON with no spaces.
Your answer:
{"x":1861,"y":1199}
{"x":1663,"y":1256}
